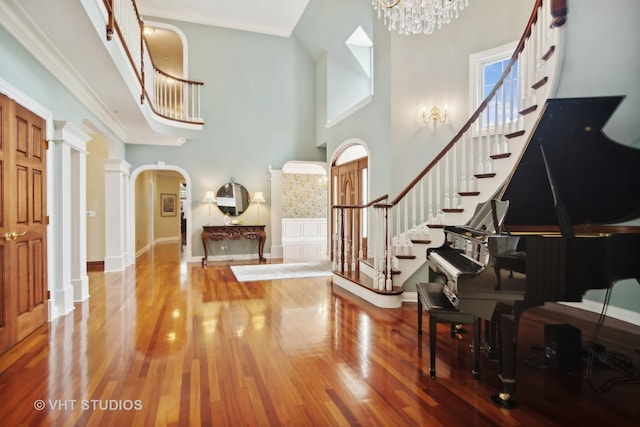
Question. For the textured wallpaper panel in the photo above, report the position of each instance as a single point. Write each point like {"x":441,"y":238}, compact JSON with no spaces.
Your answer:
{"x":304,"y":196}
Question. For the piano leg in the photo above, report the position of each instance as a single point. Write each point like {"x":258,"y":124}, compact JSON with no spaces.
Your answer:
{"x":508,"y":347}
{"x":492,"y":329}
{"x":419,"y":316}
{"x":476,"y":348}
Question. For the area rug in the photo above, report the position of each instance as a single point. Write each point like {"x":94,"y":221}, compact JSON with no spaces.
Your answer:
{"x":247,"y":273}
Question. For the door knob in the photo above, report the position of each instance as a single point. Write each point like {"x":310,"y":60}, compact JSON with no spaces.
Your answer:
{"x":13,"y":235}
{"x":16,"y":235}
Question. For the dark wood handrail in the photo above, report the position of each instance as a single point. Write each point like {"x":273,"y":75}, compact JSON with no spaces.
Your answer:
{"x":113,"y":25}
{"x":367,"y":205}
{"x":483,"y":105}
{"x":165,"y":74}
{"x":178,"y":79}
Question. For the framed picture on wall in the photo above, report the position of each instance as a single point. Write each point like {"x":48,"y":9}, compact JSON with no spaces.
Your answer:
{"x":168,"y":204}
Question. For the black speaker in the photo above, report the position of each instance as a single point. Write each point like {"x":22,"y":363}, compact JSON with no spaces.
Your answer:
{"x":563,"y":346}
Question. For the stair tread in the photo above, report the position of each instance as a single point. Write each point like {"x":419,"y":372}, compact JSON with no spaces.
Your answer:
{"x":515,"y":134}
{"x":529,"y":110}
{"x":485,"y":175}
{"x":540,"y":83}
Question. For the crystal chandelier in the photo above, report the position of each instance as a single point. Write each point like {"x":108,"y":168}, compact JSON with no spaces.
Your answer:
{"x":417,"y":16}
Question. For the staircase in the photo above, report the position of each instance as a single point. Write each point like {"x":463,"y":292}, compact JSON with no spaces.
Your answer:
{"x":468,"y":171}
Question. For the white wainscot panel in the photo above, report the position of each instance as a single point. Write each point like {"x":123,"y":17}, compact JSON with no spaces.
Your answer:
{"x":304,"y":238}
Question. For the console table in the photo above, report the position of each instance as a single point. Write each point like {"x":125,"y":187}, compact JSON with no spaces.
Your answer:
{"x":233,"y":232}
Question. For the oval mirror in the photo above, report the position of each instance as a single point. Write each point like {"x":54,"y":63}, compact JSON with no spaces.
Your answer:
{"x":232,"y":199}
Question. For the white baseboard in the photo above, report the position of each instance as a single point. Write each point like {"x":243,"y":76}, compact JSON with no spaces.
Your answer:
{"x":379,"y":300}
{"x":142,"y":250}
{"x":167,"y":240}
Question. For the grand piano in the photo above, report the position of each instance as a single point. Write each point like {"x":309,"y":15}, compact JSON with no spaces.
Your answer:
{"x":549,"y":233}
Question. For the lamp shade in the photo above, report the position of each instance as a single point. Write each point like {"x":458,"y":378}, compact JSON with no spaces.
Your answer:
{"x":258,"y":197}
{"x":209,"y":197}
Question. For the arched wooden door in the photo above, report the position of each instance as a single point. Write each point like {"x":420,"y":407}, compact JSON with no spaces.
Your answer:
{"x":348,"y":187}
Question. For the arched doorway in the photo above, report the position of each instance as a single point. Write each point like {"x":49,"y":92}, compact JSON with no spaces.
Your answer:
{"x":349,"y":186}
{"x":160,"y":201}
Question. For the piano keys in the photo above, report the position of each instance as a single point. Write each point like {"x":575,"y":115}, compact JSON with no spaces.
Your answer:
{"x":556,"y":240}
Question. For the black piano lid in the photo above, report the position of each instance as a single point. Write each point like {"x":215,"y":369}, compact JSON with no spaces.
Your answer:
{"x":597,"y":178}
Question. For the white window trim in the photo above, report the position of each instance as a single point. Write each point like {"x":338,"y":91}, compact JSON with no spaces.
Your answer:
{"x":477,"y":61}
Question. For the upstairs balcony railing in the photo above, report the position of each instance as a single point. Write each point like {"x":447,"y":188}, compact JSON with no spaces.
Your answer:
{"x":455,"y":171}
{"x":170,"y":97}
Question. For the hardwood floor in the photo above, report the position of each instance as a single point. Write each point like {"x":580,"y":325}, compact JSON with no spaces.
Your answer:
{"x":167,"y":343}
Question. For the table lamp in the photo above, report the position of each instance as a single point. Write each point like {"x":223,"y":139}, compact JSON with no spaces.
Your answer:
{"x":209,"y":197}
{"x":258,"y":197}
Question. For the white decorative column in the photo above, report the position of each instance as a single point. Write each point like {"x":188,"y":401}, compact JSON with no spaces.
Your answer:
{"x":69,"y":225}
{"x":116,"y":179}
{"x":128,"y":254}
{"x":276,"y":213}
{"x":79,"y":277}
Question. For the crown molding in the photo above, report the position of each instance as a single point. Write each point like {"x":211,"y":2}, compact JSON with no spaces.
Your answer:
{"x":18,"y":23}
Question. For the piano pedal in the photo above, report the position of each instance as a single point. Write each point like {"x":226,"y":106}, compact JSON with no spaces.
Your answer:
{"x":483,"y":348}
{"x":457,"y":330}
{"x":504,"y":400}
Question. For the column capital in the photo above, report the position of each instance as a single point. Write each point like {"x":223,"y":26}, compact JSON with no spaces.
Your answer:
{"x":70,"y":134}
{"x":117,"y":165}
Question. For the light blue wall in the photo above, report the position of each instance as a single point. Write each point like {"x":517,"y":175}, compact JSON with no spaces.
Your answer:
{"x":258,"y":104}
{"x":22,"y":71}
{"x":323,"y":31}
{"x":605,"y":60}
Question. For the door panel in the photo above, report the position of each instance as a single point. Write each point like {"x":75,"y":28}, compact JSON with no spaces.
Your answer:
{"x":33,"y":312}
{"x":22,"y":196}
{"x":22,"y":267}
{"x":347,"y":190}
{"x":8,"y":326}
{"x":30,"y":168}
{"x":6,"y":330}
{"x":37,"y":215}
{"x":23,"y":237}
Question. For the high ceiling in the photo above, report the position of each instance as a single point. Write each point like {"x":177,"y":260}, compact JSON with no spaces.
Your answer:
{"x":276,"y":17}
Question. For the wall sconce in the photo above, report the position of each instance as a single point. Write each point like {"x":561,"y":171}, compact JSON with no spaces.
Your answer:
{"x":258,"y":197}
{"x":209,"y":197}
{"x":434,"y":115}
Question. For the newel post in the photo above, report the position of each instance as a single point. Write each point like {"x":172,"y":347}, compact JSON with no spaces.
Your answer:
{"x":558,"y":12}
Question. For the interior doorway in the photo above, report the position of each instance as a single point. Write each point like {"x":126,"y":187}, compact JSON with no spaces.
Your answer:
{"x":161,"y":203}
{"x":349,"y":186}
{"x":23,"y":223}
{"x":183,"y":217}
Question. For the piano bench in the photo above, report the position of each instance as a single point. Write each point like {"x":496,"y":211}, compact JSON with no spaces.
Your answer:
{"x":432,"y":299}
